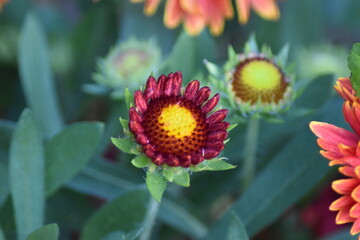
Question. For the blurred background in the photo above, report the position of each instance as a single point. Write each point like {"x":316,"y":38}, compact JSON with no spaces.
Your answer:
{"x":290,"y":197}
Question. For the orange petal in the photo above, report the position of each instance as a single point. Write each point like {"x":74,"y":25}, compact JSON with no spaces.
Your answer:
{"x":346,"y":150}
{"x":356,"y":194}
{"x":329,"y":146}
{"x":355,"y":229}
{"x":341,"y":203}
{"x":345,"y":186}
{"x":357,"y":171}
{"x":347,"y":171}
{"x":243,"y":10}
{"x":151,"y":6}
{"x":173,"y":14}
{"x":351,"y":160}
{"x":351,"y":114}
{"x":194,"y":24}
{"x":190,"y":6}
{"x":334,"y":134}
{"x":343,"y":216}
{"x":136,"y":1}
{"x":267,"y":9}
{"x":355,"y":211}
{"x":226,"y":8}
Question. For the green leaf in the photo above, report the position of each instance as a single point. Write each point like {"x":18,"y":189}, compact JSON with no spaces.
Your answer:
{"x":120,"y":235}
{"x":354,"y":66}
{"x":182,"y":178}
{"x":129,"y":98}
{"x":27,"y":175}
{"x":141,"y":161}
{"x":236,"y":229}
{"x":212,"y":165}
{"x":69,"y":151}
{"x":36,"y":77}
{"x":156,"y":183}
{"x":47,"y":232}
{"x":1,"y":235}
{"x":124,"y":144}
{"x":125,"y":213}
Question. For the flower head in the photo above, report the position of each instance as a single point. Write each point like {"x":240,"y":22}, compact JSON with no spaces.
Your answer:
{"x":176,"y":129}
{"x":255,"y":82}
{"x":197,"y":14}
{"x":126,"y":63}
{"x":342,"y":147}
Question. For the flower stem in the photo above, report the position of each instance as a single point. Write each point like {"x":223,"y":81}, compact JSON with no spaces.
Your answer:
{"x":150,"y":218}
{"x":248,"y":170}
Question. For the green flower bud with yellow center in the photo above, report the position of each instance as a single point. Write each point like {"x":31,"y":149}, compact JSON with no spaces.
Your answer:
{"x":255,"y":82}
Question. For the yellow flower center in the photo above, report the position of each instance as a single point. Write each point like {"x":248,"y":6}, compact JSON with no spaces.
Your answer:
{"x":177,"y":121}
{"x":261,"y":75}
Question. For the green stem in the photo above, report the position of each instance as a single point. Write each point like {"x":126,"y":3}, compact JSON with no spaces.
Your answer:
{"x":150,"y":218}
{"x":248,"y":170}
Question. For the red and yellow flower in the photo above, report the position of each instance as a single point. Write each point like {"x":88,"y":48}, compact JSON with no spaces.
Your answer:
{"x":175,"y":128}
{"x":197,"y":14}
{"x":342,"y":147}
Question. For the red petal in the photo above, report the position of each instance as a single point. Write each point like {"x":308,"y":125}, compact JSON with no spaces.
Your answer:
{"x":219,"y":126}
{"x":135,"y":127}
{"x":140,"y":102}
{"x":356,"y":194}
{"x":219,"y":145}
{"x":177,"y":84}
{"x":334,"y":134}
{"x":217,"y":116}
{"x":191,"y":89}
{"x":355,"y":211}
{"x":134,"y":115}
{"x":217,"y":136}
{"x":345,"y":186}
{"x":343,"y":216}
{"x":160,"y":86}
{"x":210,"y":153}
{"x":329,"y":146}
{"x":347,"y":171}
{"x":352,"y":115}
{"x":202,"y":95}
{"x":185,"y":160}
{"x":172,"y":161}
{"x":196,"y":159}
{"x":150,"y":88}
{"x":209,"y":105}
{"x":142,"y":139}
{"x":158,"y":159}
{"x":169,"y":84}
{"x":341,"y":203}
{"x":355,"y":229}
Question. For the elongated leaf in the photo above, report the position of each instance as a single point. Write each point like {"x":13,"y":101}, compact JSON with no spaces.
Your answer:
{"x":124,"y":213}
{"x":47,"y":232}
{"x":1,"y":235}
{"x":69,"y":151}
{"x":283,"y":182}
{"x":36,"y":77}
{"x":27,"y":175}
{"x":236,"y":229}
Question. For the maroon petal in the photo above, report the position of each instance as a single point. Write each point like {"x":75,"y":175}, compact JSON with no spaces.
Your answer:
{"x":142,"y":139}
{"x":140,"y":102}
{"x":202,"y":95}
{"x":196,"y":159}
{"x":135,"y":127}
{"x":218,"y":145}
{"x":210,"y":153}
{"x":191,"y":89}
{"x":219,"y":126}
{"x":211,"y":103}
{"x":150,"y":88}
{"x":134,"y":115}
{"x":149,"y":150}
{"x":169,"y":84}
{"x":185,"y":160}
{"x":217,"y":136}
{"x":158,"y":159}
{"x":177,"y":84}
{"x":160,"y":86}
{"x":217,"y":116}
{"x":172,"y":161}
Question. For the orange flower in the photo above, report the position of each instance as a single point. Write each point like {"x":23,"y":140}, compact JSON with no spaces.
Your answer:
{"x":342,"y":147}
{"x":267,"y":9}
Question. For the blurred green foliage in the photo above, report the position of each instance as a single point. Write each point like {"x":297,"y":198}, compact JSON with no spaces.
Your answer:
{"x":57,"y":164}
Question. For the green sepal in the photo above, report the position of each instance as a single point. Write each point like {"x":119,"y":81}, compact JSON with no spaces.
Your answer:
{"x":125,"y":145}
{"x":129,"y":98}
{"x":282,"y":56}
{"x":156,"y":184}
{"x":182,"y":178}
{"x":168,"y":173}
{"x":354,"y":66}
{"x":251,"y":45}
{"x":141,"y":161}
{"x":124,"y":123}
{"x":213,"y":69}
{"x":216,"y":164}
{"x":231,"y":127}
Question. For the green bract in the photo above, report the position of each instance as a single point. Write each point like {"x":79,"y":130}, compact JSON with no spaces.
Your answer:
{"x":354,"y":66}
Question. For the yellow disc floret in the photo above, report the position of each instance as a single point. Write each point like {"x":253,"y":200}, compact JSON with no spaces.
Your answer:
{"x":177,"y":121}
{"x":261,"y":75}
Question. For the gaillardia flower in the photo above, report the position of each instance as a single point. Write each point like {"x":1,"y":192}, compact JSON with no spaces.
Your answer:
{"x":342,"y":147}
{"x":255,"y":82}
{"x":195,"y":15}
{"x":174,"y":129}
{"x":126,"y":63}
